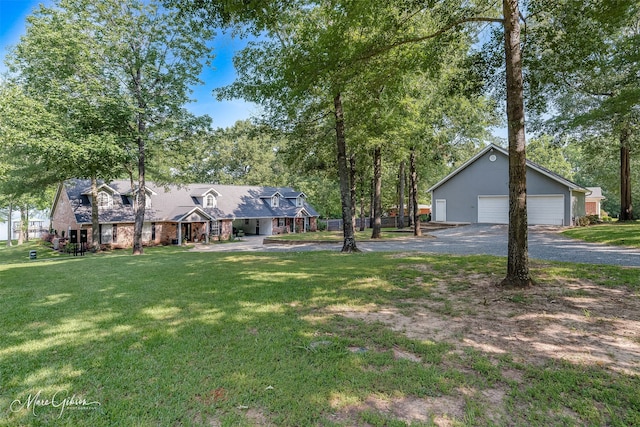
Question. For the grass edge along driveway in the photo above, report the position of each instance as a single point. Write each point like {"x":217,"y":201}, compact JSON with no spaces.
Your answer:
{"x":180,"y":338}
{"x":617,"y":234}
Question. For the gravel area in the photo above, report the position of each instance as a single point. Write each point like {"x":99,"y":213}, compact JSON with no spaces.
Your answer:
{"x":477,"y":239}
{"x":544,"y":243}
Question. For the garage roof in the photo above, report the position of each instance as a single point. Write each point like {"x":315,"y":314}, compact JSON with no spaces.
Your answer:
{"x":562,"y":180}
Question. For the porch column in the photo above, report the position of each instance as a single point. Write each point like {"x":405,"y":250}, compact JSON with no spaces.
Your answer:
{"x":179,"y":233}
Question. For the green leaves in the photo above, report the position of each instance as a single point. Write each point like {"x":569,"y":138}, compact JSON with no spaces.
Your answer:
{"x":107,"y":74}
{"x":583,"y":54}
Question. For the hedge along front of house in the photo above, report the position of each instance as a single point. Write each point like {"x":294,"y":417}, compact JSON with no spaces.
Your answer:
{"x":176,"y":214}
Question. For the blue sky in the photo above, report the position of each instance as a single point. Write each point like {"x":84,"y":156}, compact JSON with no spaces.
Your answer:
{"x":13,"y":14}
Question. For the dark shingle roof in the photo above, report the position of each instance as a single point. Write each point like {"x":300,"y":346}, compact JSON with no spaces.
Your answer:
{"x":173,"y":202}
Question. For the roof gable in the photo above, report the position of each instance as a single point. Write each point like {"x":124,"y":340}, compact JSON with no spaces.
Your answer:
{"x":101,"y":187}
{"x":294,"y":195}
{"x":196,"y":214}
{"x":531,"y":165}
{"x":147,"y":190}
{"x":595,"y":193}
{"x":203,"y":192}
{"x":269,"y":195}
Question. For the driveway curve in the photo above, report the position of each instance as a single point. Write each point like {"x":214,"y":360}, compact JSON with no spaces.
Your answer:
{"x":475,"y":239}
{"x":544,"y":243}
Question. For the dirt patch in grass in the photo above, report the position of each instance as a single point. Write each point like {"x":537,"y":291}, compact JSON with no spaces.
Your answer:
{"x":573,"y":321}
{"x":440,"y":410}
{"x":576,"y":321}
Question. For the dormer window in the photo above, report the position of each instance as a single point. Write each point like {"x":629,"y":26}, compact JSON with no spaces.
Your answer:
{"x":104,"y":200}
{"x":134,"y":197}
{"x":275,"y":201}
{"x":209,"y":201}
{"x":299,"y":201}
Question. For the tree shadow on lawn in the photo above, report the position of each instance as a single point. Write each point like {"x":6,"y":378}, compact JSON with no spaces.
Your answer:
{"x":292,"y":339}
{"x":580,"y":323}
{"x":149,"y":338}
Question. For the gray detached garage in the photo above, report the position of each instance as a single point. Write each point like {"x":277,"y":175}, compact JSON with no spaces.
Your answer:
{"x":477,"y":192}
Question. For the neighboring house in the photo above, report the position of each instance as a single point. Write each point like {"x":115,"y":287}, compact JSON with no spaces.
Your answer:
{"x":593,"y":201}
{"x":37,"y":226}
{"x":174,"y":214}
{"x":478,"y":192}
{"x":422,"y":210}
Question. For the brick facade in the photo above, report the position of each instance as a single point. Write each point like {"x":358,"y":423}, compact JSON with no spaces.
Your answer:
{"x":226,"y":230}
{"x":168,"y":232}
{"x":63,"y":218}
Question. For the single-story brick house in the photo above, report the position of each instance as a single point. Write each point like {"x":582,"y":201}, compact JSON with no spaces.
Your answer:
{"x":179,"y":213}
{"x":478,"y":192}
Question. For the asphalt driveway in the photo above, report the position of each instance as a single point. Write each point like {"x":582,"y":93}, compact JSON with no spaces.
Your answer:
{"x":544,"y":243}
{"x":475,"y":239}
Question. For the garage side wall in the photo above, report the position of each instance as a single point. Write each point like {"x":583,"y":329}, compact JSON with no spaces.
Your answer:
{"x":579,"y":205}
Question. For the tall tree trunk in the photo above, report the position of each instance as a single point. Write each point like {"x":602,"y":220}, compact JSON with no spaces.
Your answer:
{"x":140,"y":194}
{"x":410,"y":203}
{"x":140,"y":200}
{"x":377,"y":194}
{"x":372,"y":202}
{"x":401,"y":196}
{"x":10,"y":225}
{"x":26,"y":228}
{"x":362,"y":204}
{"x":417,"y":230}
{"x":518,"y":251}
{"x":21,"y":228}
{"x":352,"y":188}
{"x":626,"y":206}
{"x":95,"y":219}
{"x":349,"y":244}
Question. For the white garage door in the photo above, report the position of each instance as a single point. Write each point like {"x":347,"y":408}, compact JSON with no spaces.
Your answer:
{"x":545,"y":210}
{"x":541,"y":210}
{"x":493,"y":209}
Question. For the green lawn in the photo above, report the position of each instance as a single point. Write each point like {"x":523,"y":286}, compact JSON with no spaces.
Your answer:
{"x":619,"y":234}
{"x":176,"y":338}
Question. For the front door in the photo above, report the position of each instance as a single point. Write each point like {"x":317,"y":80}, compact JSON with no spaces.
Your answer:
{"x":186,"y":231}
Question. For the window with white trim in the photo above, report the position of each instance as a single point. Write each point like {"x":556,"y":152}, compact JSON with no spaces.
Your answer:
{"x":146,"y":232}
{"x":209,"y":201}
{"x":104,"y":200}
{"x":299,"y":201}
{"x":214,"y":228}
{"x":275,"y":201}
{"x":106,"y":233}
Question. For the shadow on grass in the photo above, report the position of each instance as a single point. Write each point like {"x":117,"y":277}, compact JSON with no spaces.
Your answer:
{"x":176,"y":338}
